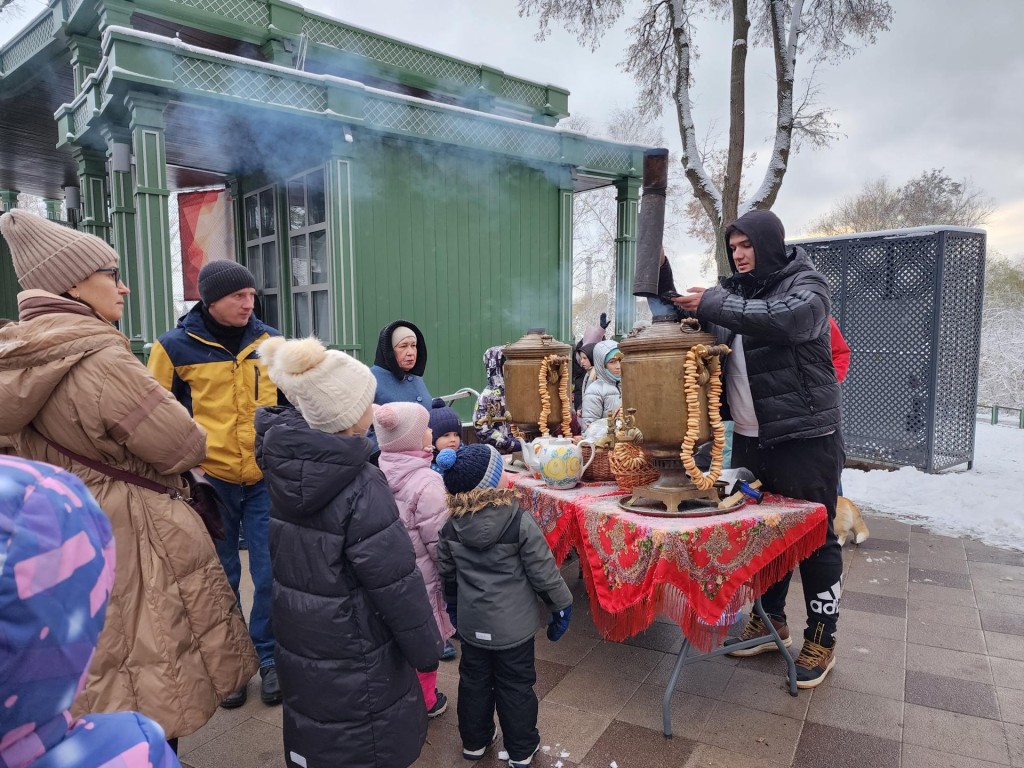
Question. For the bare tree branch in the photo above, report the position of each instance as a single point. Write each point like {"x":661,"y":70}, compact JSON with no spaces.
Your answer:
{"x":661,"y":55}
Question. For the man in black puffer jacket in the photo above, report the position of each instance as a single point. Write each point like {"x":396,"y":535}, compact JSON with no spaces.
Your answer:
{"x":782,"y":394}
{"x":350,"y":609}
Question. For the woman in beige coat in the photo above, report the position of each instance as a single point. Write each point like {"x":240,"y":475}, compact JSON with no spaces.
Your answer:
{"x":174,"y":643}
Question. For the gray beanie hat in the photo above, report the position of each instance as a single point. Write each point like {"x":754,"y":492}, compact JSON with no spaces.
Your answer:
{"x":50,"y":257}
{"x":219,"y":278}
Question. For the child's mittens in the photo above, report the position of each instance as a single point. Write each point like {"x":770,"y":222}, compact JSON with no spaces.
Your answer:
{"x":558,"y":623}
{"x":453,"y":614}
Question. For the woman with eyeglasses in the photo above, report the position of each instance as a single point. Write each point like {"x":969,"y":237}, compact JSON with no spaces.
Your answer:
{"x":74,"y":395}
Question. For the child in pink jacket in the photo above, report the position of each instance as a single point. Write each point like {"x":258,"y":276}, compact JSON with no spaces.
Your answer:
{"x":405,"y":441}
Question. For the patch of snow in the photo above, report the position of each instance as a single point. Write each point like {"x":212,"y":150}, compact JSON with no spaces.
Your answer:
{"x":980,"y":502}
{"x":503,"y":755}
{"x":613,"y":764}
{"x":545,"y":749}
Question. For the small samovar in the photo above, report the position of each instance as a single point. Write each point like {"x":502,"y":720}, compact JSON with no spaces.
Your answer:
{"x":538,"y":385}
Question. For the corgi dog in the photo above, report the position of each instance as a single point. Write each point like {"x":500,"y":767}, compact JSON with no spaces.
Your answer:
{"x":848,"y":520}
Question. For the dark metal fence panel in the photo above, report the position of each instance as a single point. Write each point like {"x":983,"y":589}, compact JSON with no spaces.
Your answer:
{"x":909,"y":305}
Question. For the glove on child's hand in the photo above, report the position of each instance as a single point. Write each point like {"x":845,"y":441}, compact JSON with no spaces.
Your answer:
{"x":558,"y":623}
{"x":453,"y":614}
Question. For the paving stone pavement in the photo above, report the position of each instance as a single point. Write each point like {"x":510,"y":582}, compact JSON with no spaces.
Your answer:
{"x":930,"y":674}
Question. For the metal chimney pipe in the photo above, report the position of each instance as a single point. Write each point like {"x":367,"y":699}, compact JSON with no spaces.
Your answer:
{"x":651,"y":223}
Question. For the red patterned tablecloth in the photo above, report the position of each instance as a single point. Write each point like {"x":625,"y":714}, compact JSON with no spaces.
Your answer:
{"x":699,"y":571}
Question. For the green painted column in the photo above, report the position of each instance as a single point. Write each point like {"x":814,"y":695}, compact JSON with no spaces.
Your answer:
{"x":54,"y":209}
{"x":626,"y":199}
{"x":565,"y":234}
{"x":113,"y":12}
{"x":152,"y":229}
{"x":340,"y":201}
{"x":92,"y":180}
{"x":85,"y":58}
{"x":8,"y":279}
{"x":122,"y":226}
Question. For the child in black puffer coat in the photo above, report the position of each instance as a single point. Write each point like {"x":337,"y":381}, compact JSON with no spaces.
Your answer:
{"x":349,"y":606}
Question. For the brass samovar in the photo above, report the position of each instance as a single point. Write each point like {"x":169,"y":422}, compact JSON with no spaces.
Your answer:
{"x":538,"y":385}
{"x":670,"y":372}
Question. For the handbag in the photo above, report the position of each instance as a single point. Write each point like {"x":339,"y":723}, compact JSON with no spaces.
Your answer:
{"x":202,"y":496}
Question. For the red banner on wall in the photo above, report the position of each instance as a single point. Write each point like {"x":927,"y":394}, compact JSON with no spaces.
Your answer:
{"x":204,"y":224}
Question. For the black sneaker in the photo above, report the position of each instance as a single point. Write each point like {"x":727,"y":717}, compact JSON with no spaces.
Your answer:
{"x":814,"y":663}
{"x":236,"y":699}
{"x":756,"y":628}
{"x":477,"y":754}
{"x":270,"y":688}
{"x":440,"y":706}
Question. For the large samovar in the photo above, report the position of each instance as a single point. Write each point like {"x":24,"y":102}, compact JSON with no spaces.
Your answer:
{"x":670,"y":376}
{"x":538,"y":385}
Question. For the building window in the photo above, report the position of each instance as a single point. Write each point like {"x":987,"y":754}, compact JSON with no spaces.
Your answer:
{"x":261,"y":252}
{"x":307,"y":248}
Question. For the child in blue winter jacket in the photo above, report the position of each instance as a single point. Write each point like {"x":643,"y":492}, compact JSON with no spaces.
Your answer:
{"x":56,"y":573}
{"x":494,"y":564}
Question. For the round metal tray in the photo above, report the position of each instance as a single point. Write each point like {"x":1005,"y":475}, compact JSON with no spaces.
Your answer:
{"x":692,"y":508}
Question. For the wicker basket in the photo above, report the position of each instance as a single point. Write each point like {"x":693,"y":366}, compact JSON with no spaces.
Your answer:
{"x":599,"y":470}
{"x":630,"y":479}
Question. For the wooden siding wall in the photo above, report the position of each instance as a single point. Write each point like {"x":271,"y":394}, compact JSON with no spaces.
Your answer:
{"x":463,"y":245}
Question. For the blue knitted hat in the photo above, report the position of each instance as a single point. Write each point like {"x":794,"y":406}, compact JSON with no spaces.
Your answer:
{"x":471,"y":468}
{"x":443,"y":420}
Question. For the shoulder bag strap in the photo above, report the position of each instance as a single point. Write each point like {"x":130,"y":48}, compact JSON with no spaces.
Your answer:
{"x":118,"y":474}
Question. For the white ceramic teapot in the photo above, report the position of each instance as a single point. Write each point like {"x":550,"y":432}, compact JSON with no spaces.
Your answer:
{"x":558,"y":460}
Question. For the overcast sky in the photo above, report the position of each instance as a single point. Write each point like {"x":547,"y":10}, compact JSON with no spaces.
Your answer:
{"x":940,"y":89}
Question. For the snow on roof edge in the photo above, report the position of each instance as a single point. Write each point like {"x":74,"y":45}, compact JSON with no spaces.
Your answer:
{"x":178,"y":43}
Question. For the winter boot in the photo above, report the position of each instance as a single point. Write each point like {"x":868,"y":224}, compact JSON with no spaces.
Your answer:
{"x":814,"y":663}
{"x":756,"y":628}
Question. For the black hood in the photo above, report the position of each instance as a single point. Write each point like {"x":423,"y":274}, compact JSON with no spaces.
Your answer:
{"x":386,"y":354}
{"x":304,"y":467}
{"x":768,"y":237}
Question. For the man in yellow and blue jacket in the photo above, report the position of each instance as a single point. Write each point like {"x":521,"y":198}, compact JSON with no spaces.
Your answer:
{"x":209,"y":363}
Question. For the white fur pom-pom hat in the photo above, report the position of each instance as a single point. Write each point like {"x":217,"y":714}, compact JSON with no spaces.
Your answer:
{"x":331,"y":389}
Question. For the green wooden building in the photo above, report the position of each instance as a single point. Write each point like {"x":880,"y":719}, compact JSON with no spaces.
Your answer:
{"x":370,"y":179}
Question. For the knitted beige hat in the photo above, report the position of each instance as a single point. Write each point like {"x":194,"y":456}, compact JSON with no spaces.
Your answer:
{"x":49,"y":256}
{"x":332,"y":390}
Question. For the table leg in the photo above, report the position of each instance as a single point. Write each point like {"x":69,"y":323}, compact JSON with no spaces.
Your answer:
{"x":790,"y":664}
{"x":684,"y":658}
{"x":666,"y":704}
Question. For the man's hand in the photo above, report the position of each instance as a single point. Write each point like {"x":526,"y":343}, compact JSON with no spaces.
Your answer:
{"x":690,"y":300}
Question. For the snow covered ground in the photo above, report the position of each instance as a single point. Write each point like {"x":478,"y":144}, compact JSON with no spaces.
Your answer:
{"x":984,"y":503}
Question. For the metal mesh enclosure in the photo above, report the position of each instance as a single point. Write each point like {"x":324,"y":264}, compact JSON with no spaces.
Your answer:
{"x":909,"y":305}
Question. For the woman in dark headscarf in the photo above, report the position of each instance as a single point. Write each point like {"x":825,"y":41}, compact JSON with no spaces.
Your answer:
{"x":399,"y":365}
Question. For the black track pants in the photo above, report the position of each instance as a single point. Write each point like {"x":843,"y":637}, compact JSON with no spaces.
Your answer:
{"x":803,"y":469}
